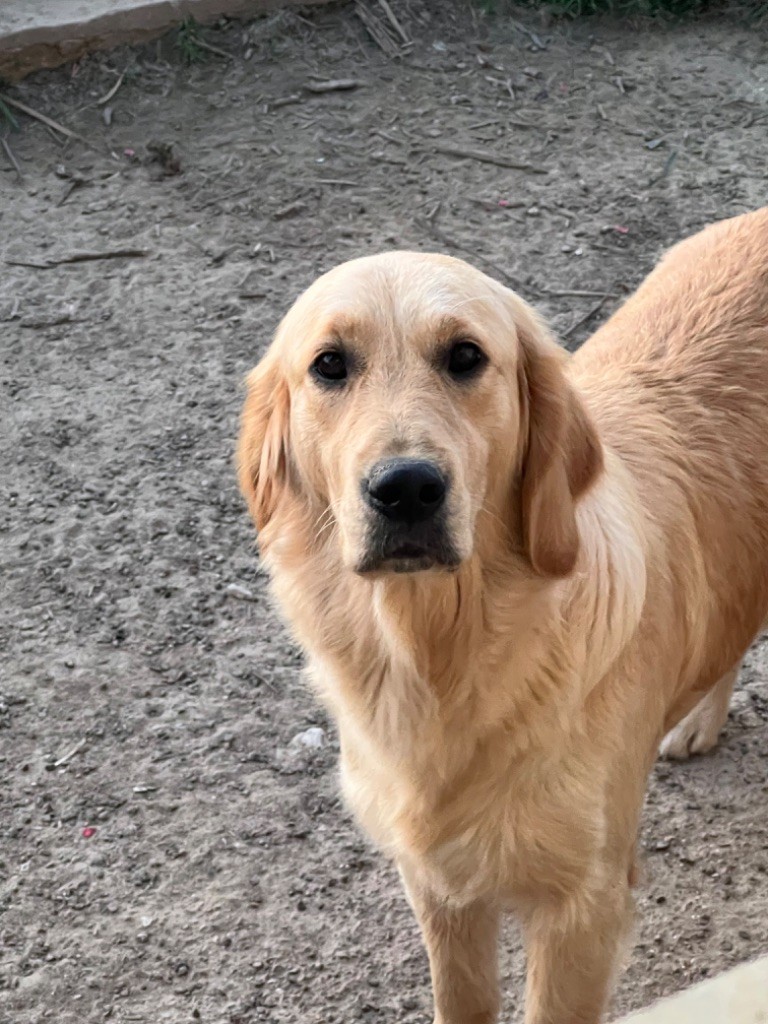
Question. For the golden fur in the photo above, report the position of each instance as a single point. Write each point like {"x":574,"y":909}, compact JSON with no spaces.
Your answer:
{"x":610,"y":509}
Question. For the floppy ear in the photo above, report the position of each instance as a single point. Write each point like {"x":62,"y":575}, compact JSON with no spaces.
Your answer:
{"x":562,"y":458}
{"x":262,"y":454}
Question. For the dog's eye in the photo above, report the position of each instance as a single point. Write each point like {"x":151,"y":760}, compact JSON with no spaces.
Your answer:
{"x":331,"y":366}
{"x":465,"y":358}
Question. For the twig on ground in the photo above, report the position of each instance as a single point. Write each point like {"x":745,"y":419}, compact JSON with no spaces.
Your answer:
{"x":108,"y":96}
{"x":252,"y":286}
{"x":485,"y":157}
{"x":227,"y":195}
{"x":201,"y":43}
{"x":9,"y":153}
{"x":43,"y":118}
{"x":505,"y":83}
{"x":68,"y":192}
{"x":70,"y":754}
{"x":394,"y":22}
{"x":496,"y":204}
{"x":76,"y":257}
{"x":537,"y":41}
{"x":239,"y":592}
{"x":42,"y":323}
{"x":570,"y":293}
{"x":62,"y":142}
{"x":377,"y":30}
{"x":584,"y":319}
{"x":483,"y":124}
{"x":75,"y":182}
{"x":390,"y":138}
{"x":670,"y":162}
{"x":753,"y":119}
{"x":434,"y":211}
{"x":290,"y":210}
{"x":284,"y":101}
{"x":334,"y":85}
{"x":13,"y":313}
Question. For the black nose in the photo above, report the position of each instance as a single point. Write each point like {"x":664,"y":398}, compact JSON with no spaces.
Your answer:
{"x":405,"y":490}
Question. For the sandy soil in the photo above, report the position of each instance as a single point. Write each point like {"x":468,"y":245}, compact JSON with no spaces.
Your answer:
{"x":166,"y":854}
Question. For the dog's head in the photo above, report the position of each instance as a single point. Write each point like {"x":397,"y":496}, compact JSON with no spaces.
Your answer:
{"x":408,"y":405}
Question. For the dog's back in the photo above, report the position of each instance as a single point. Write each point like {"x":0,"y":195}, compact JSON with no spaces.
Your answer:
{"x":677,"y":382}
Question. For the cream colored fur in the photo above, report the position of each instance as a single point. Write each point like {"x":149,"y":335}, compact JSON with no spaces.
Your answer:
{"x":498,"y":723}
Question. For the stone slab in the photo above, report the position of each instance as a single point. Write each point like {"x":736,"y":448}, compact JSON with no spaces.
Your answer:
{"x":738,"y":997}
{"x":45,"y":33}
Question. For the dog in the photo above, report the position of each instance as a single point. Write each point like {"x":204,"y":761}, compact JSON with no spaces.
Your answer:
{"x":514,"y":572}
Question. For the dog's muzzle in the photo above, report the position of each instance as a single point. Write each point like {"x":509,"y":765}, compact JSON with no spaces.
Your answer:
{"x":407,"y":530}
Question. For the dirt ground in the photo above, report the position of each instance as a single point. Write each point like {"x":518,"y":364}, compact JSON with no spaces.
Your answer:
{"x":167,"y":855}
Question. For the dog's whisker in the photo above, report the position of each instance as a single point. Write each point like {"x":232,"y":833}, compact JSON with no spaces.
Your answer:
{"x":322,"y":519}
{"x":327,"y":511}
{"x":494,"y":515}
{"x":325,"y":522}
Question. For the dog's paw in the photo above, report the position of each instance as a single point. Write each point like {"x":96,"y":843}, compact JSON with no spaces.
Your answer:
{"x":698,"y":733}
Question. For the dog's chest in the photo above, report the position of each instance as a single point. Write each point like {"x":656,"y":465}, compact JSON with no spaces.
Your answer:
{"x":458,"y":798}
{"x":462,"y":850}
{"x":496,"y":836}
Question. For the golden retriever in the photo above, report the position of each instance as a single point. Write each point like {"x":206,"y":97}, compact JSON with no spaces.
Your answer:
{"x":513,"y":572}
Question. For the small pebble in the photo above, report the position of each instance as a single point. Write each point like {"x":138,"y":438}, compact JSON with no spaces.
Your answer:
{"x":313,"y":738}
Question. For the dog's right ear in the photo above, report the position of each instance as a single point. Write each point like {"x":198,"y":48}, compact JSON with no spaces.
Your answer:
{"x":262,"y":454}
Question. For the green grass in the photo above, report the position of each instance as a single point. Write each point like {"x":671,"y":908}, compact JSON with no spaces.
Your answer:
{"x":188,"y":42}
{"x":7,"y":117}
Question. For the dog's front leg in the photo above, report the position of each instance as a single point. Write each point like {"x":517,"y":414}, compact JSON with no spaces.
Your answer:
{"x":574,"y":951}
{"x":462,"y":943}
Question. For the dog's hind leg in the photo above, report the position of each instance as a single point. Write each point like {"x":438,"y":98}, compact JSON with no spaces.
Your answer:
{"x":699,"y":731}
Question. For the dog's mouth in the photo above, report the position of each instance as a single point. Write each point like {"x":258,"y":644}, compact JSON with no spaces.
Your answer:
{"x":406,"y":551}
{"x":401,"y":555}
{"x":409,"y":558}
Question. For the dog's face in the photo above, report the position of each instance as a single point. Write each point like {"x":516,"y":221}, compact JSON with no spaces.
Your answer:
{"x":397,"y":403}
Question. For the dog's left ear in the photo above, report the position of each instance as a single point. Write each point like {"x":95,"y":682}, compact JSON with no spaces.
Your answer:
{"x":562,"y":452}
{"x":262,"y":454}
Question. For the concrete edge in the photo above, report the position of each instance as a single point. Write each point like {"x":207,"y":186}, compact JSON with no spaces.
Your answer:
{"x":739,"y":996}
{"x":48,"y":46}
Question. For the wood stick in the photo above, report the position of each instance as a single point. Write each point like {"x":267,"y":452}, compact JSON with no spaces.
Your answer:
{"x":335,"y":85}
{"x":70,"y":754}
{"x":582,"y":320}
{"x":485,"y":157}
{"x":227,"y":195}
{"x":212,"y":49}
{"x":9,"y":153}
{"x":106,"y":98}
{"x":43,"y":118}
{"x":377,"y":30}
{"x":394,"y":22}
{"x":575,"y":293}
{"x":77,"y":257}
